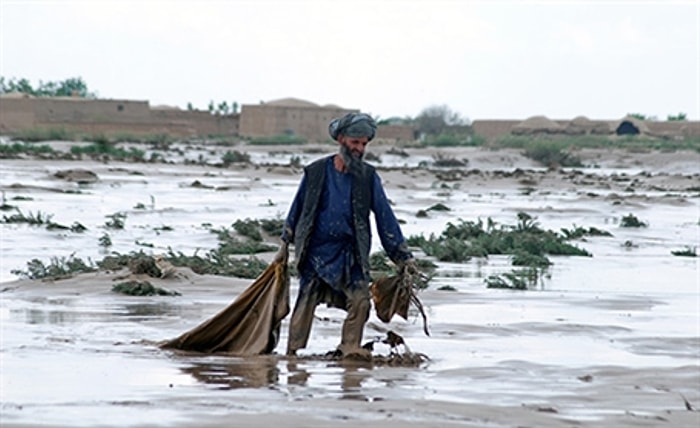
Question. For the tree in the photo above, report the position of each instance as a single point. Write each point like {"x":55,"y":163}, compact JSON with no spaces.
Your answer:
{"x":677,"y":118}
{"x":71,"y":87}
{"x":223,"y":108}
{"x":434,"y":120}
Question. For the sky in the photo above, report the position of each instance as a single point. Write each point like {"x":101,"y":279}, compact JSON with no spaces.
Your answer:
{"x":390,"y":58}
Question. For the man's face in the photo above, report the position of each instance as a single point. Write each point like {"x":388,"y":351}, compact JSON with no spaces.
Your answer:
{"x":355,"y":145}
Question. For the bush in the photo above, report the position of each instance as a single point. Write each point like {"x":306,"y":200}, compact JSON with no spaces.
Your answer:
{"x":141,"y":288}
{"x":58,"y":267}
{"x":551,"y":154}
{"x":235,"y":157}
{"x":105,"y":148}
{"x":631,"y":220}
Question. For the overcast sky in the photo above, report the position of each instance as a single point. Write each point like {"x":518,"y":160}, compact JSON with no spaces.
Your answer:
{"x":483,"y":59}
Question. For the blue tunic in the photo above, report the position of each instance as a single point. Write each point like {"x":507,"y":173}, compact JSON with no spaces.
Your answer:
{"x":331,"y":249}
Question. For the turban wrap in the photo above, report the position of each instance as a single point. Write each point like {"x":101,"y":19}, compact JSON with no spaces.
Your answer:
{"x":353,"y":125}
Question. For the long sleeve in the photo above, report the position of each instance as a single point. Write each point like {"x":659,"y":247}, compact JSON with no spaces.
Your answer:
{"x":388,"y":227}
{"x":294,"y":213}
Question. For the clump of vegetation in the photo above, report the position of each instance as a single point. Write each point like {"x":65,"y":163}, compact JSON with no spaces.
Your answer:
{"x":580,"y":232}
{"x":631,"y":220}
{"x":142,"y":288}
{"x":75,"y":227}
{"x":518,"y":279}
{"x":37,"y":219}
{"x":216,"y":262}
{"x":273,"y":227}
{"x":248,"y":228}
{"x":397,"y":152}
{"x":116,"y":221}
{"x":105,"y":148}
{"x":58,"y":267}
{"x":232,"y":245}
{"x":439,"y":207}
{"x":105,"y":240}
{"x":523,"y":258}
{"x":11,"y":151}
{"x":687,"y":252}
{"x":526,"y":242}
{"x":234,"y":156}
{"x":441,"y":160}
{"x":551,"y":154}
{"x":40,"y":219}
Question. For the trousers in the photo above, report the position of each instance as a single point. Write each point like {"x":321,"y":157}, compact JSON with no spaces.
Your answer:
{"x":356,"y":303}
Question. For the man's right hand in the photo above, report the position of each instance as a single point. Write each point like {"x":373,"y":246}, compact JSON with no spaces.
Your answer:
{"x":282,"y":254}
{"x":409,"y":266}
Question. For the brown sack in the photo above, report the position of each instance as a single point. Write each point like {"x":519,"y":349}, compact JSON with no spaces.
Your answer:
{"x":248,"y":326}
{"x":393,"y":294}
{"x":390,"y":298}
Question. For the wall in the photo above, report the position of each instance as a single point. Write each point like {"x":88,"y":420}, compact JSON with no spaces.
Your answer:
{"x":109,"y":117}
{"x":310,"y":123}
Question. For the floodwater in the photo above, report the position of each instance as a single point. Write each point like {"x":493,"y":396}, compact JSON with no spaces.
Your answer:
{"x":608,"y":340}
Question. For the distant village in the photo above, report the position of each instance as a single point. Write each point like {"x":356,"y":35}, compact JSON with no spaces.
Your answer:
{"x":289,"y":116}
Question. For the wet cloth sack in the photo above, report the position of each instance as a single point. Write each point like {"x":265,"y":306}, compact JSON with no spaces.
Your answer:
{"x":393,"y":294}
{"x":248,"y":326}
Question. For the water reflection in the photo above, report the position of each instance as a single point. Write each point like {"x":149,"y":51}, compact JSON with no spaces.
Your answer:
{"x":141,"y":311}
{"x":351,"y":376}
{"x":265,"y":371}
{"x":236,"y":373}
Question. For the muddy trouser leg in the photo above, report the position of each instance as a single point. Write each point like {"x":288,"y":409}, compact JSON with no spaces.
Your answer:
{"x":358,"y":307}
{"x":302,"y":318}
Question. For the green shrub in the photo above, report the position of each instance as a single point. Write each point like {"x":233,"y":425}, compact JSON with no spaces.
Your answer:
{"x":58,"y":267}
{"x":551,"y":153}
{"x":248,"y":228}
{"x":521,"y":279}
{"x":8,"y":151}
{"x":631,"y":220}
{"x":234,"y":156}
{"x":106,"y":148}
{"x":141,"y":288}
{"x":32,"y":219}
{"x":687,"y":252}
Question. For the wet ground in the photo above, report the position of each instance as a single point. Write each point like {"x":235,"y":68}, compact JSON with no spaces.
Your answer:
{"x":608,"y":340}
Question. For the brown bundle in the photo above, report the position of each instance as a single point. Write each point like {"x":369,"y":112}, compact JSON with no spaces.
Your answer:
{"x":393,"y":294}
{"x":248,"y":326}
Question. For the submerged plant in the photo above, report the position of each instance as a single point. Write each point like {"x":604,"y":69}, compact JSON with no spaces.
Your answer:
{"x":521,"y":279}
{"x":142,"y":288}
{"x":687,"y":252}
{"x":116,"y":221}
{"x":631,"y":220}
{"x":248,"y":228}
{"x":33,"y":219}
{"x":58,"y":267}
{"x":105,"y":240}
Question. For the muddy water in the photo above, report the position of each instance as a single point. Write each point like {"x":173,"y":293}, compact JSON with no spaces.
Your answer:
{"x":610,"y":340}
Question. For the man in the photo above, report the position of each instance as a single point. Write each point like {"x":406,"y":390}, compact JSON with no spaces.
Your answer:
{"x":328,"y":222}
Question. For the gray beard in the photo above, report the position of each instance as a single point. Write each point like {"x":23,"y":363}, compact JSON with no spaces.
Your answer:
{"x":353,"y":163}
